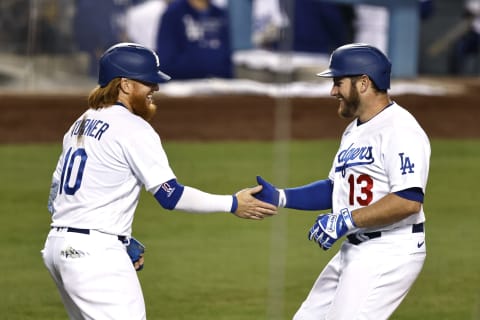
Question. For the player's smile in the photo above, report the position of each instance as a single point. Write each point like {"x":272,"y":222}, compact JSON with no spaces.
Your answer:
{"x":149,"y":98}
{"x":348,"y":106}
{"x":142,"y":99}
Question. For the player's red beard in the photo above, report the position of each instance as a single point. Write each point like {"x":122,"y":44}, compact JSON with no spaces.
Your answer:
{"x":142,"y":106}
{"x":349,"y":105}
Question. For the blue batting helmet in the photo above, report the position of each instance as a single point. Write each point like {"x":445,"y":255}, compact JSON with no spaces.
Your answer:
{"x":130,"y":60}
{"x":358,"y":59}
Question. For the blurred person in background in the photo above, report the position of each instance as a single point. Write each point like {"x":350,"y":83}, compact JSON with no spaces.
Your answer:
{"x":33,"y":28}
{"x":371,"y":22}
{"x":14,"y":26}
{"x":142,"y":20}
{"x":97,"y":25}
{"x":302,"y":31}
{"x":318,"y":26}
{"x":268,"y":19}
{"x":464,"y":53}
{"x":321,"y":26}
{"x":193,"y":40}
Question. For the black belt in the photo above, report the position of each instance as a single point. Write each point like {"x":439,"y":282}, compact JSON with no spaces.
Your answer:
{"x":86,"y":231}
{"x":354,"y":238}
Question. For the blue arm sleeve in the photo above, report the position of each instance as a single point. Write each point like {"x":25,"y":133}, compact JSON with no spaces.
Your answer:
{"x":169,"y":193}
{"x":314,"y":196}
{"x":414,"y":194}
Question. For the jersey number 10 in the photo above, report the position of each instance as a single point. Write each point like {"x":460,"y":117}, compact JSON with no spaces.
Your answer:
{"x":72,"y":171}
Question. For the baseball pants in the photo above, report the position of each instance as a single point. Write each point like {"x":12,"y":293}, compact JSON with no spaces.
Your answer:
{"x":368,"y":280}
{"x":94,"y":275}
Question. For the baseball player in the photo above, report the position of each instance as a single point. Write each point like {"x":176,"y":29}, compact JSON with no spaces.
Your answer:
{"x":109,"y":153}
{"x":375,"y":191}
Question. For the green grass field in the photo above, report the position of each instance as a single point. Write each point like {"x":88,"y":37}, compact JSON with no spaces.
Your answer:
{"x":220,"y":267}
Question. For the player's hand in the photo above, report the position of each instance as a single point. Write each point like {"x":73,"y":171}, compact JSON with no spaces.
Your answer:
{"x":140,"y":262}
{"x":268,"y":193}
{"x":136,"y":252}
{"x":330,"y":227}
{"x":251,"y":208}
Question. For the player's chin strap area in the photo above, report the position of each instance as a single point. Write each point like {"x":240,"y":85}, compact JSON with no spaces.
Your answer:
{"x":359,"y":237}
{"x":124,"y":239}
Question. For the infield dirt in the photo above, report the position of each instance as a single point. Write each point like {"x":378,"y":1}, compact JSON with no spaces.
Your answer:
{"x":32,"y":118}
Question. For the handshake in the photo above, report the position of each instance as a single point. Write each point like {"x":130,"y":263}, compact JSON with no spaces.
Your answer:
{"x":328,"y":228}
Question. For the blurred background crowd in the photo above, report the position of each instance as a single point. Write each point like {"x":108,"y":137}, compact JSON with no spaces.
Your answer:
{"x":198,"y":39}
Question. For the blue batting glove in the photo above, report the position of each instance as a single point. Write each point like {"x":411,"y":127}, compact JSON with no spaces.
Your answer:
{"x":135,"y":249}
{"x":330,"y":227}
{"x":269,"y":193}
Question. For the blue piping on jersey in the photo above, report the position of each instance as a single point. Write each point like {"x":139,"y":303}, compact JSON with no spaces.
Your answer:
{"x":413,"y":194}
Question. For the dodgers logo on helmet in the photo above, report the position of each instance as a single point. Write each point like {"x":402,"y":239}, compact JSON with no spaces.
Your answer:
{"x":358,"y":59}
{"x":130,"y":60}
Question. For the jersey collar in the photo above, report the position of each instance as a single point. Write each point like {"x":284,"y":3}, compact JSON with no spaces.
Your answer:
{"x":359,"y":123}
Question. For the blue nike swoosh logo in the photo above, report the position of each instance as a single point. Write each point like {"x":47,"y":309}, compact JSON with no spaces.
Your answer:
{"x":420,"y":244}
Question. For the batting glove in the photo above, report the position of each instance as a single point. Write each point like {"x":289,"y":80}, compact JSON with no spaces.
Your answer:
{"x":270,"y":194}
{"x":135,"y":249}
{"x":330,"y":227}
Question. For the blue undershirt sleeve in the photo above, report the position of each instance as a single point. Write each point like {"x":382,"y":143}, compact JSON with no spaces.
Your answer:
{"x":169,"y":193}
{"x":414,"y":194}
{"x":313,"y":196}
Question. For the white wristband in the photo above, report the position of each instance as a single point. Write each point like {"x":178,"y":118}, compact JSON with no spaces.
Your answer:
{"x":347,"y":216}
{"x":282,"y":198}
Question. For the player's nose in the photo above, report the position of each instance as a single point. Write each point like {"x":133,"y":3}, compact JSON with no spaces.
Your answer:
{"x":334,"y":91}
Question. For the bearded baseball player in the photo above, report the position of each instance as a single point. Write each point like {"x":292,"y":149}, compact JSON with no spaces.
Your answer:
{"x":109,"y":154}
{"x":375,"y":191}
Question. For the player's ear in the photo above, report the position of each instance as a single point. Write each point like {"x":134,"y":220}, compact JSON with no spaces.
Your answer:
{"x":124,"y":85}
{"x":364,"y":82}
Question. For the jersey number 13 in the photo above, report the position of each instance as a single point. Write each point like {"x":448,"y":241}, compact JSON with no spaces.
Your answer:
{"x":365,"y":183}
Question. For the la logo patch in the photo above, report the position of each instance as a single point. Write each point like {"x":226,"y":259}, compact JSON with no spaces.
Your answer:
{"x":406,"y":165}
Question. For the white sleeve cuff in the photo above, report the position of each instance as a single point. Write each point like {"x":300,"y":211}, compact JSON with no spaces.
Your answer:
{"x":194,"y":200}
{"x":282,"y":198}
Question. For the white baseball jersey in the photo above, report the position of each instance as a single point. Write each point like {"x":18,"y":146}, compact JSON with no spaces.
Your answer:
{"x":100,"y":173}
{"x":386,"y":154}
{"x":108,"y":156}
